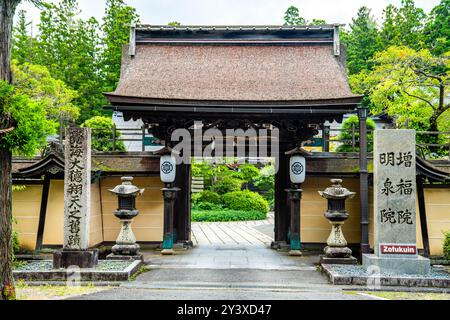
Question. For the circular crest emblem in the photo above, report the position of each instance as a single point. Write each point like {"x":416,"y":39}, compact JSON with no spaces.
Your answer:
{"x":166,"y":167}
{"x":297,"y":168}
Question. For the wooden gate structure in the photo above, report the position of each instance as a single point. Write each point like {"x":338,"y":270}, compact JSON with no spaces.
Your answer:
{"x":292,"y":78}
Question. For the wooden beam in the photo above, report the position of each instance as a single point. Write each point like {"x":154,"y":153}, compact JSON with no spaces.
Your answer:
{"x":43,"y":212}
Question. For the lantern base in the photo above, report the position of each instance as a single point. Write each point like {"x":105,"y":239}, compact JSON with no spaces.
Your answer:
{"x":113,"y":256}
{"x":328,"y":260}
{"x":295,"y":253}
{"x":167,"y":252}
{"x":337,"y":252}
{"x":125,"y":249}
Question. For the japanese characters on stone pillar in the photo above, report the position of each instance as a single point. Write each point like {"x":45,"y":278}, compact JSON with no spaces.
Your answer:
{"x":394,"y":189}
{"x":77,"y":188}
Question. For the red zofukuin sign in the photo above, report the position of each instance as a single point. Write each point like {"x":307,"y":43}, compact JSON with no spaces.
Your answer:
{"x":398,"y":249}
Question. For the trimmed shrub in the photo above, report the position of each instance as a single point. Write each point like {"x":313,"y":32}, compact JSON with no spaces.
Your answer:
{"x":207,"y":206}
{"x":246,"y":201}
{"x":209,"y":196}
{"x":227,"y":184}
{"x":447,"y":245}
{"x":224,"y":215}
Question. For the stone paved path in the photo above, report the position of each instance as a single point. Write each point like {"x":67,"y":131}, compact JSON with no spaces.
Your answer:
{"x":231,"y":257}
{"x":233,"y":233}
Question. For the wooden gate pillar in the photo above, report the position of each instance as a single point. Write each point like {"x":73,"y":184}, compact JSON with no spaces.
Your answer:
{"x":182,"y":219}
{"x":282,"y":212}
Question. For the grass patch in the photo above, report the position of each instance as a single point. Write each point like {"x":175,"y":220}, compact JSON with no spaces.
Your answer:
{"x":141,"y":270}
{"x":52,"y":292}
{"x":224,"y":215}
{"x":409,"y":295}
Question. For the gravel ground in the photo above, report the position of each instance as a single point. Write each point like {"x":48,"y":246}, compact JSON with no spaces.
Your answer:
{"x":47,"y":265}
{"x":354,"y":271}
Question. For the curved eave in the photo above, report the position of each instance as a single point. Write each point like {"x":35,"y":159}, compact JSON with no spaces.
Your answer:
{"x":43,"y":166}
{"x":424,"y":168}
{"x":139,"y":104}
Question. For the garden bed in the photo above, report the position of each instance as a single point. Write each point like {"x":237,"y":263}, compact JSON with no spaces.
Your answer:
{"x":226,"y":215}
{"x":106,"y":270}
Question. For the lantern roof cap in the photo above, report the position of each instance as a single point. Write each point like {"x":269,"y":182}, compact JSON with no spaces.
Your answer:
{"x":337,"y":191}
{"x":126,"y":188}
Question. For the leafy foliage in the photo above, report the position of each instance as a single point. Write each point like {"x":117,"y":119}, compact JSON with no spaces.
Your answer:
{"x":69,"y":48}
{"x":208,"y":196}
{"x":347,"y":134}
{"x":407,"y":84}
{"x":363,"y":41}
{"x":245,"y":200}
{"x":37,"y":83}
{"x":116,"y":28}
{"x":226,"y":215}
{"x":446,"y":246}
{"x":31,"y":124}
{"x":292,"y":17}
{"x":227,"y":184}
{"x":102,"y":134}
{"x":437,"y":29}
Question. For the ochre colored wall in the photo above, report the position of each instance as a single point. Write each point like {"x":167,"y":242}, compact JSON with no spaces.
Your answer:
{"x":54,"y":221}
{"x":26,"y":205}
{"x":148,"y":225}
{"x":315,"y":228}
{"x":96,"y":223}
{"x":438,"y":217}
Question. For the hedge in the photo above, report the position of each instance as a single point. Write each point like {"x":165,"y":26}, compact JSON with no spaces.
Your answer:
{"x":246,"y":201}
{"x":225,"y":215}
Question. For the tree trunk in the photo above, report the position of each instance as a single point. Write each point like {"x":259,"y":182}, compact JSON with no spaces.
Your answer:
{"x":7,"y":291}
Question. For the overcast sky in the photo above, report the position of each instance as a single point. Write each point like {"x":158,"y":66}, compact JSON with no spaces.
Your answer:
{"x":235,"y":12}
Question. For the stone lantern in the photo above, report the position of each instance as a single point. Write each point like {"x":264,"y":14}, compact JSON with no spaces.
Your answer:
{"x":337,"y":251}
{"x":126,"y":247}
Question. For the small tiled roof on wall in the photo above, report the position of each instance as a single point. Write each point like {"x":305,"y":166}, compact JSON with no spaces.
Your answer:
{"x":240,"y":63}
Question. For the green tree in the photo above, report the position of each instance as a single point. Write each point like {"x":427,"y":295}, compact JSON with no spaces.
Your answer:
{"x":22,"y":49}
{"x":389,"y":32}
{"x":116,"y":29}
{"x":102,"y":134}
{"x":69,"y":48}
{"x":437,"y":29}
{"x":174,"y":24}
{"x":408,"y":84}
{"x":9,"y":122}
{"x":37,"y":83}
{"x":292,"y":17}
{"x":363,"y":41}
{"x":347,"y":133}
{"x":409,"y":22}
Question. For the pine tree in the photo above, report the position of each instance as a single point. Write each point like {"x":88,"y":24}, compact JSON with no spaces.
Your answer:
{"x":389,"y":32}
{"x":363,"y":41}
{"x":437,"y":29}
{"x":409,"y":23}
{"x":116,"y":29}
{"x":70,"y":49}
